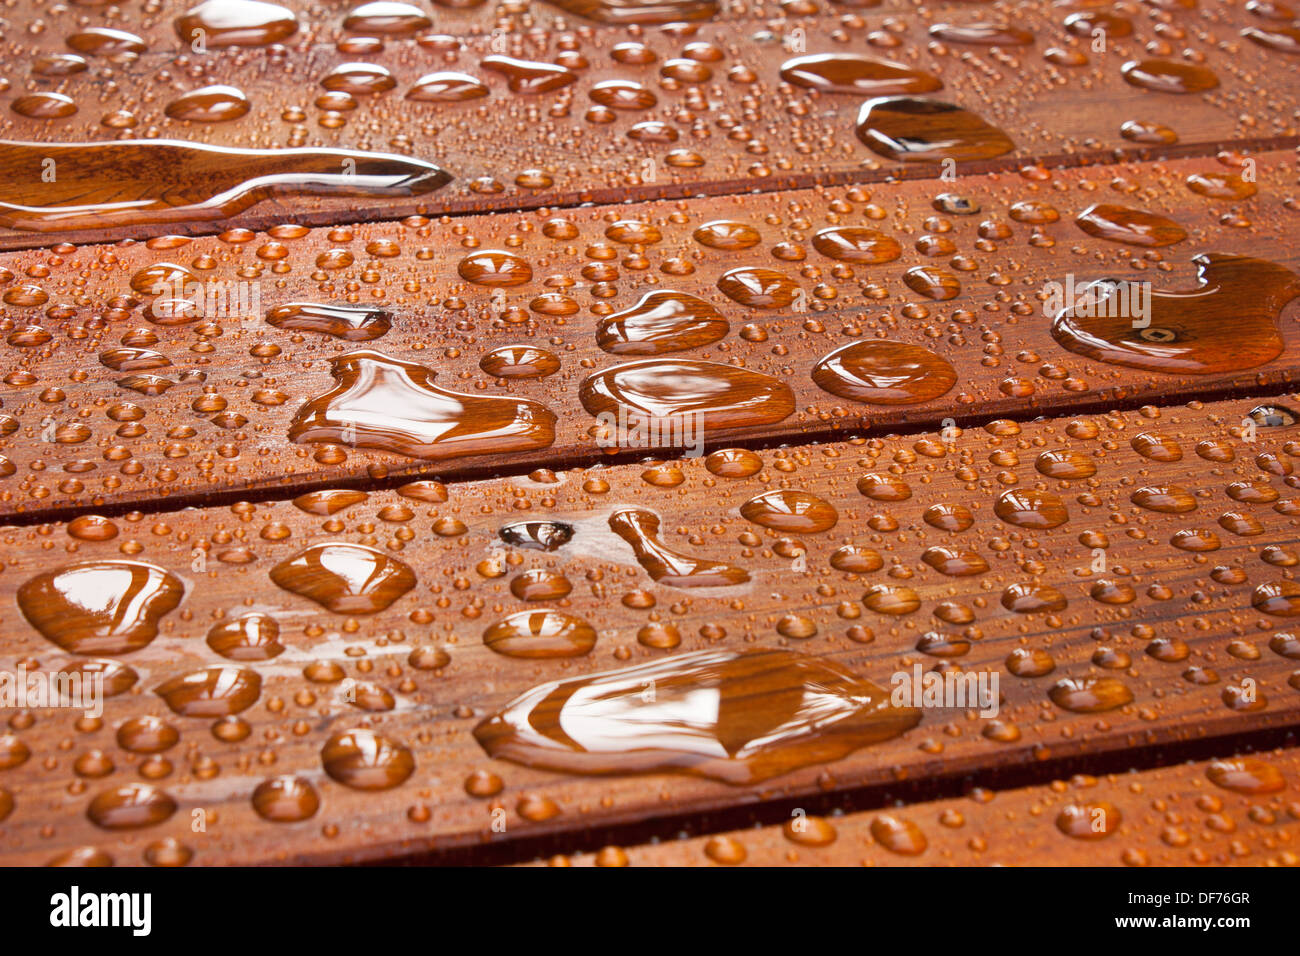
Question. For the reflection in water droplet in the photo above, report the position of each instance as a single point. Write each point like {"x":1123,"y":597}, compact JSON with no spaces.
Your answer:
{"x":345,"y":578}
{"x":854,"y":244}
{"x":791,"y":512}
{"x":1028,"y":508}
{"x":285,"y":799}
{"x":210,"y":104}
{"x":640,"y":11}
{"x":243,"y":23}
{"x":1165,"y":76}
{"x":1185,"y":332}
{"x":1089,"y":821}
{"x":928,"y":131}
{"x":640,"y":529}
{"x":1090,"y":695}
{"x":735,"y":716}
{"x":537,"y":535}
{"x":133,"y":182}
{"x":663,"y":321}
{"x":386,"y":18}
{"x":446,"y":87}
{"x":100,"y":607}
{"x":1277,"y":38}
{"x":528,"y":77}
{"x":884,"y":373}
{"x":1248,"y":775}
{"x":394,"y":406}
{"x":540,"y":635}
{"x":130,"y":807}
{"x":520,"y":362}
{"x":350,"y":323}
{"x":759,"y":288}
{"x":250,"y":637}
{"x":212,"y":692}
{"x":1134,"y":227}
{"x":856,"y":74}
{"x":364,"y":760}
{"x":981,"y":34}
{"x":727,"y":235}
{"x":734,"y":463}
{"x":723,"y":396}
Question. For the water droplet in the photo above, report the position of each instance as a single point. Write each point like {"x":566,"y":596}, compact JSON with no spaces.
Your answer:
{"x":285,"y":799}
{"x":1187,"y":332}
{"x":365,"y":760}
{"x":1090,"y":695}
{"x":528,"y":77}
{"x":520,"y":362}
{"x":759,"y":288}
{"x":165,"y":181}
{"x":735,"y":716}
{"x":790,"y":512}
{"x":663,"y":321}
{"x":1134,"y":227}
{"x":728,"y":235}
{"x":350,"y":323}
{"x":722,"y":395}
{"x":1165,"y":76}
{"x":100,"y":607}
{"x":211,"y":692}
{"x":539,"y":635}
{"x":394,"y":406}
{"x":242,"y":23}
{"x":884,"y":373}
{"x":446,"y":87}
{"x":640,"y":529}
{"x":856,"y":74}
{"x":928,"y":131}
{"x":210,"y":104}
{"x":130,"y":807}
{"x":250,"y":637}
{"x":854,"y":244}
{"x":345,"y":578}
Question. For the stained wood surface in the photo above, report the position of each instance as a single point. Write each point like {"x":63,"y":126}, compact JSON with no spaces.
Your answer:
{"x":509,"y":151}
{"x":69,"y":308}
{"x":1188,"y":815}
{"x":1191,"y":634}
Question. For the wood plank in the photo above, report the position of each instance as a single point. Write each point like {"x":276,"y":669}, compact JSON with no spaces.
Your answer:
{"x":75,"y":437}
{"x":509,"y":152}
{"x":1182,"y":610}
{"x":1239,"y":810}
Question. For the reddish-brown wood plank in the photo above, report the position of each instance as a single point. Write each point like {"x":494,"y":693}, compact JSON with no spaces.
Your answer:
{"x":741,"y":128}
{"x":1184,"y":610}
{"x":1234,"y":811}
{"x":74,"y":436}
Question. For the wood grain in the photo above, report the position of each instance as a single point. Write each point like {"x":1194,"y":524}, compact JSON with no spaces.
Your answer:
{"x":1173,"y":816}
{"x":512,"y":152}
{"x":1189,"y":633}
{"x":71,"y":310}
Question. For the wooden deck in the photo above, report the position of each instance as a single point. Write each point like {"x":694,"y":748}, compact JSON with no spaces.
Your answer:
{"x":329,"y":463}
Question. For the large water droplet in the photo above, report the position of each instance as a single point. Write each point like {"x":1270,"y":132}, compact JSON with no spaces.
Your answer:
{"x":736,"y":716}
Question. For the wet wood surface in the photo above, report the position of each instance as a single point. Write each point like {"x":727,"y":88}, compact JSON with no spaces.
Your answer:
{"x":1160,"y":584}
{"x":738,"y":129}
{"x":338,"y":633}
{"x":81,"y":428}
{"x":1234,"y":811}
